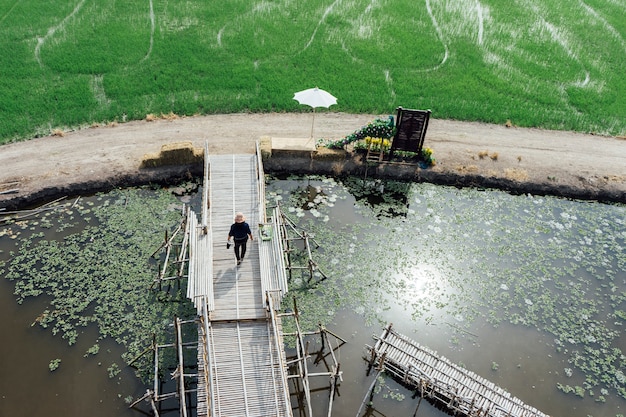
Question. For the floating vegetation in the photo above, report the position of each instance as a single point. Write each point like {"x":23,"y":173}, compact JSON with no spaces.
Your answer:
{"x":114,"y":370}
{"x":385,"y":198}
{"x":553,"y":265}
{"x":386,"y":390}
{"x":54,"y":364}
{"x":93,"y":350}
{"x":93,"y":268}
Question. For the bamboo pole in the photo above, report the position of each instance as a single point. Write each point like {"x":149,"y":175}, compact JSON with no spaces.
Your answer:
{"x":181,"y":375}
{"x":369,"y":393}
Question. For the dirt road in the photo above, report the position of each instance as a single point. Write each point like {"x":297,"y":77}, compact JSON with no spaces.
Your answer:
{"x":473,"y":153}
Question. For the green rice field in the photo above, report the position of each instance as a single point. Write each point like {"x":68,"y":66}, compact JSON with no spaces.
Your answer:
{"x":553,"y":64}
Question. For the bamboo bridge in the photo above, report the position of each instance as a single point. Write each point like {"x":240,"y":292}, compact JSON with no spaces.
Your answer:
{"x":431,"y":376}
{"x":240,"y":367}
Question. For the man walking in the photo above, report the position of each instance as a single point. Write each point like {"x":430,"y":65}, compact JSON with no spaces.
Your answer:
{"x":240,"y":231}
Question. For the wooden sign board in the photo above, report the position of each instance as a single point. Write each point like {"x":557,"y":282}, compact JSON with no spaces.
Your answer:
{"x":411,"y":128}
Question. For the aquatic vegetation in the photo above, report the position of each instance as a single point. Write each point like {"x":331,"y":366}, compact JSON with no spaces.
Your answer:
{"x":461,"y":256}
{"x":93,"y":267}
{"x":93,"y":350}
{"x":54,"y":364}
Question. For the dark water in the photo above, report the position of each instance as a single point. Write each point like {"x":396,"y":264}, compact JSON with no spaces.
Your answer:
{"x":484,"y":278}
{"x":87,"y":381}
{"x":80,"y":386}
{"x":527,"y":292}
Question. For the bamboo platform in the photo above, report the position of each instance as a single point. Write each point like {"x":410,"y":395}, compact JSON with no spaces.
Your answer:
{"x":247,"y":374}
{"x":437,"y":379}
{"x":236,"y":289}
{"x":242,"y":369}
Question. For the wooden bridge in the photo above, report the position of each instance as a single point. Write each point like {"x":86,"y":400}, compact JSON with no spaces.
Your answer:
{"x":240,"y":367}
{"x":240,"y":350}
{"x":435,"y":378}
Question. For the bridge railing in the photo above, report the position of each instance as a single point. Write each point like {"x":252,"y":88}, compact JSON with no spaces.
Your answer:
{"x":200,"y":275}
{"x":273,"y":272}
{"x":271,"y":250}
{"x":279,"y":348}
{"x":279,"y":252}
{"x":205,"y":351}
{"x":206,"y":189}
{"x":260,"y":184}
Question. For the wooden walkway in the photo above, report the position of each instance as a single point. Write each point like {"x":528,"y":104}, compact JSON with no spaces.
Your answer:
{"x":240,"y":345}
{"x":437,"y":379}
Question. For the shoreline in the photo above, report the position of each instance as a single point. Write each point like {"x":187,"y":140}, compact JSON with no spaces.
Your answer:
{"x":516,"y":160}
{"x":305,"y":165}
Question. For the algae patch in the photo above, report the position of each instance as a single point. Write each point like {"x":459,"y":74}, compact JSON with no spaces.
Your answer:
{"x":90,"y":265}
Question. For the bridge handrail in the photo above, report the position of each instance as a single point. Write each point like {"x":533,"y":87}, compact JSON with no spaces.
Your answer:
{"x":206,"y":192}
{"x":280,"y":349}
{"x":261,"y":184}
{"x":201,"y":240}
{"x":208,"y":369}
{"x":279,"y":252}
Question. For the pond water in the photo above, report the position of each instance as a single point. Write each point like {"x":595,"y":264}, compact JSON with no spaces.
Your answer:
{"x":77,"y":306}
{"x":528,"y":292}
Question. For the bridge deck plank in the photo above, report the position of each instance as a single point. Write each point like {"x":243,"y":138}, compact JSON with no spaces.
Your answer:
{"x":245,"y":361}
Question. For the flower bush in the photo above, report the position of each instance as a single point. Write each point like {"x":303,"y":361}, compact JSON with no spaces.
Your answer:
{"x":377,"y":144}
{"x":427,"y":156}
{"x":378,"y":128}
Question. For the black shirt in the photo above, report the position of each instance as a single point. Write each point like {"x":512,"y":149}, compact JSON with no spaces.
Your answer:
{"x":240,"y":231}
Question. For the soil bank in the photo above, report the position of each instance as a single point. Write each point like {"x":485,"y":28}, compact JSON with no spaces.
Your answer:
{"x":518,"y":160}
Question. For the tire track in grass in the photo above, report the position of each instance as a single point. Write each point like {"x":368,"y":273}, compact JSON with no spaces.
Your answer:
{"x":344,"y":47}
{"x":52,"y":30}
{"x":481,"y":29}
{"x":557,"y":36}
{"x":255,"y":9}
{"x":152,"y":28}
{"x":386,"y":72}
{"x":392,"y":92}
{"x":441,"y":39}
{"x":328,"y":10}
{"x":468,"y":11}
{"x":219,"y":36}
{"x":97,"y":89}
{"x":536,"y":25}
{"x":9,"y":11}
{"x":607,"y":26}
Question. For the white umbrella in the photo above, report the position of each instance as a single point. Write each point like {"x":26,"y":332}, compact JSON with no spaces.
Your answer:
{"x":315,"y":97}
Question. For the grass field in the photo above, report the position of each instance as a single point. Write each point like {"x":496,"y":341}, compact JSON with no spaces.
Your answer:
{"x":556,"y":64}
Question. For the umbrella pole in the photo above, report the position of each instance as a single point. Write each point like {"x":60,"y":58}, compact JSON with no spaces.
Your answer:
{"x":313,"y":122}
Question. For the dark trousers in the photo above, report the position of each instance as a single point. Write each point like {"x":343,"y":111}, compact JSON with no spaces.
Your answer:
{"x":240,"y":248}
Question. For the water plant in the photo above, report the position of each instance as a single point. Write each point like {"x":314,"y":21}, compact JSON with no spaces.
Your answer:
{"x":54,"y":364}
{"x":94,"y":269}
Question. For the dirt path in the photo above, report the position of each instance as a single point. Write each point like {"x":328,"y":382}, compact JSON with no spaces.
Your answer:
{"x":47,"y":166}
